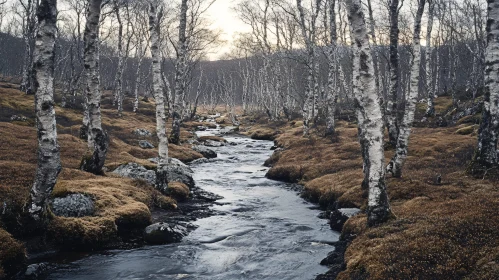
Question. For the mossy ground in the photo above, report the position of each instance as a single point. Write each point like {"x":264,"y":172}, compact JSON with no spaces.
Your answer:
{"x":442,"y":231}
{"x":121,"y":203}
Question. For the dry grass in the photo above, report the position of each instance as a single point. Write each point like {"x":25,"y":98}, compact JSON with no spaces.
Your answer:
{"x":179,"y":191}
{"x":12,"y":254}
{"x":442,"y":231}
{"x":121,"y":204}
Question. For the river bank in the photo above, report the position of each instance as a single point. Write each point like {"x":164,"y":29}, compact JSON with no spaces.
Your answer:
{"x":445,"y":228}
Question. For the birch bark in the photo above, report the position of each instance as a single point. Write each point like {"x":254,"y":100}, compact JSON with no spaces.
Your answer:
{"x":49,"y":162}
{"x":154,"y":29}
{"x":392,"y":104}
{"x":98,"y":140}
{"x":486,"y":152}
{"x":371,"y":118}
{"x":398,"y":160}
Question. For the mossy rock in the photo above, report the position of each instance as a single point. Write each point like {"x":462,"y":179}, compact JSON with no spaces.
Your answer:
{"x":12,"y":255}
{"x":466,"y":130}
{"x":80,"y":233}
{"x":179,"y":191}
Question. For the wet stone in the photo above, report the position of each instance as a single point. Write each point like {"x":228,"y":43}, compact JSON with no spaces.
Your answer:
{"x":207,"y":153}
{"x":164,"y":233}
{"x":145,"y":144}
{"x":142,"y":132}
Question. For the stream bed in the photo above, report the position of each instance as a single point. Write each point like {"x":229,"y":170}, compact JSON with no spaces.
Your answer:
{"x":262,"y":229}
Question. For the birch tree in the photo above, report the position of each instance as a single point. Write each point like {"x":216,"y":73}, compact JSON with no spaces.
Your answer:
{"x":332,"y":97}
{"x":29,"y":23}
{"x":155,"y":15}
{"x":49,"y":162}
{"x":98,"y":140}
{"x":392,"y":104}
{"x":430,"y":110}
{"x":371,"y":118}
{"x":486,"y":152}
{"x":398,"y":160}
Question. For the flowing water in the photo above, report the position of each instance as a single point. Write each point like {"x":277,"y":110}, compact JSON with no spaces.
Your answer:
{"x":263,"y":230}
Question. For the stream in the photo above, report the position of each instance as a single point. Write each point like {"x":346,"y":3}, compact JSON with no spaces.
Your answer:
{"x":262,"y":229}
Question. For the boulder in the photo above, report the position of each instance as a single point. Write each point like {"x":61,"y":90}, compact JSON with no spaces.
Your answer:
{"x":73,"y":205}
{"x":145,"y":144}
{"x":142,"y":132}
{"x":201,"y":128}
{"x":136,"y":171}
{"x":164,"y":233}
{"x":211,"y":143}
{"x":207,"y":153}
{"x":179,"y":172}
{"x":19,"y":118}
{"x":339,"y":217}
{"x":36,"y":271}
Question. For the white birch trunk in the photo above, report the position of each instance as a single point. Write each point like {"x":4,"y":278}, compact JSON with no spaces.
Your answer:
{"x":154,"y":29}
{"x":430,"y":109}
{"x":486,"y":153}
{"x":332,"y":96}
{"x":49,"y":162}
{"x":371,"y":118}
{"x":398,"y":160}
{"x":391,"y":115}
{"x":98,"y":140}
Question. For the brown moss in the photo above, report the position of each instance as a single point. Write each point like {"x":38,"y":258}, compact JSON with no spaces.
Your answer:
{"x":12,"y":255}
{"x":466,"y":130}
{"x":82,"y":233}
{"x":178,"y":190}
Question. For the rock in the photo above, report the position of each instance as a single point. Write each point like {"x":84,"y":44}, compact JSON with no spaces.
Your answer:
{"x":19,"y":118}
{"x":136,"y":171}
{"x":163,"y":233}
{"x":193,"y":142}
{"x":207,"y":153}
{"x":179,"y":172}
{"x":340,"y":216}
{"x":233,"y":143}
{"x":249,"y":146}
{"x":201,"y":128}
{"x":199,"y":193}
{"x":73,"y":205}
{"x":142,"y":132}
{"x":229,"y":130}
{"x":211,"y":143}
{"x":335,"y":261}
{"x":199,"y":161}
{"x":36,"y":271}
{"x":145,"y":144}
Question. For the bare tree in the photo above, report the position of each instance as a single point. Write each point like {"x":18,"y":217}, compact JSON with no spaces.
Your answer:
{"x":370,"y":117}
{"x":49,"y":161}
{"x":430,"y":110}
{"x":155,"y":15}
{"x":486,"y":152}
{"x":398,"y":160}
{"x":98,"y":140}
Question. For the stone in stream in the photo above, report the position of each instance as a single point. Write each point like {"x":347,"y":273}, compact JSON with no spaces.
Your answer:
{"x":36,"y":270}
{"x":207,"y":153}
{"x":145,"y":144}
{"x":339,"y":217}
{"x":164,"y":233}
{"x":73,"y":205}
{"x":211,"y":143}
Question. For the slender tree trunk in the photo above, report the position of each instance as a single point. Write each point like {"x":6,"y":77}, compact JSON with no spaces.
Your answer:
{"x":180,"y":76}
{"x":371,"y":123}
{"x":398,"y":160}
{"x":49,"y":161}
{"x":430,"y":110}
{"x":98,"y":140}
{"x":392,"y":104}
{"x":154,"y":29}
{"x":118,"y":81}
{"x":486,"y":152}
{"x":332,"y":97}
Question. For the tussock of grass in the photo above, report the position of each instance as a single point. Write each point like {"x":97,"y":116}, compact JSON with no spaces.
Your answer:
{"x":178,"y":190}
{"x":12,"y":254}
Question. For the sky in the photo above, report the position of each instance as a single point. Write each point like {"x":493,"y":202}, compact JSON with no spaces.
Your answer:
{"x":224,"y":18}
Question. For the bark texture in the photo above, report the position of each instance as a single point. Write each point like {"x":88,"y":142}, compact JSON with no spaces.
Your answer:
{"x":392,"y":104}
{"x":154,"y":29}
{"x":49,"y":162}
{"x":486,"y":152}
{"x":332,"y":97}
{"x":370,"y":117}
{"x":98,"y":140}
{"x":398,"y":160}
{"x":430,"y":110}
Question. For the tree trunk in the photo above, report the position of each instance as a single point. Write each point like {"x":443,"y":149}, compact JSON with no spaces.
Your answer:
{"x":98,"y":140}
{"x":118,"y":81}
{"x":392,"y":104}
{"x":486,"y":152}
{"x":49,"y":161}
{"x":332,"y":97}
{"x":180,"y":76}
{"x":430,"y":110}
{"x":371,"y":122}
{"x":154,"y":29}
{"x":398,"y":160}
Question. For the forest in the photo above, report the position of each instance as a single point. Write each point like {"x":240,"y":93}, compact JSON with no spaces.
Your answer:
{"x":324,"y":139}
